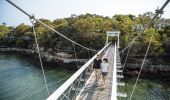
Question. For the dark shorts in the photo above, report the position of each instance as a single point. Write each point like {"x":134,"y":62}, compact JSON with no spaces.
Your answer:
{"x":96,"y":67}
{"x":104,"y":73}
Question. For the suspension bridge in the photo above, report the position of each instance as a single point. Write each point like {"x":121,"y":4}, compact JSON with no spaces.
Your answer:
{"x":81,"y":85}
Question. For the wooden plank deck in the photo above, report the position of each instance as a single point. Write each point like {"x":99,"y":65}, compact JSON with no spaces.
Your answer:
{"x":91,"y":92}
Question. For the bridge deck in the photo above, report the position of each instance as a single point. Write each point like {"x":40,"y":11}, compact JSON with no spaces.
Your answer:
{"x":91,"y":92}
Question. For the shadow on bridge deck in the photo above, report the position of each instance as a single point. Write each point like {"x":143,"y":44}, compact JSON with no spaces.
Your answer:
{"x":91,"y":92}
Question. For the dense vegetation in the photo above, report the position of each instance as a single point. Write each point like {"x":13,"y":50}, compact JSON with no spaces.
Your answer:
{"x":88,"y":30}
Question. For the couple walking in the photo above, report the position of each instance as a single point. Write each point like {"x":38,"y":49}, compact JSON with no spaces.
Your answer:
{"x":101,"y":67}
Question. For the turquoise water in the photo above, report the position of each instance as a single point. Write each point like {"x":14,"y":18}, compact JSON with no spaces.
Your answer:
{"x":22,"y":79}
{"x":147,"y":89}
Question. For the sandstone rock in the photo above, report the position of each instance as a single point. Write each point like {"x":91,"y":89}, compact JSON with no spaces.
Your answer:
{"x":132,"y":66}
{"x":152,"y":70}
{"x":145,"y":70}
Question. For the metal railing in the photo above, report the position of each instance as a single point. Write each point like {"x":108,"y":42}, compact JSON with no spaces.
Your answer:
{"x":76,"y":83}
{"x":114,"y":80}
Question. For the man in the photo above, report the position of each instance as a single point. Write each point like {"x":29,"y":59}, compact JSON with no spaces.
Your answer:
{"x":97,"y":66}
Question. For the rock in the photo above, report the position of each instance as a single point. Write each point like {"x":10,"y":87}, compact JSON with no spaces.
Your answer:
{"x":47,"y":57}
{"x":152,"y":70}
{"x":135,"y":72}
{"x":145,"y":70}
{"x":165,"y":69}
{"x":132,"y":66}
{"x":41,"y":48}
{"x":64,"y":55}
{"x":49,"y":50}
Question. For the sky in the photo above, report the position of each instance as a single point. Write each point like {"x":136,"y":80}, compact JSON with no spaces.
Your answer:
{"x":53,"y":9}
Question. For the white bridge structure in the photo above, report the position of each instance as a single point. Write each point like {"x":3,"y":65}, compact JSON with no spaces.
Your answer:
{"x":81,"y":85}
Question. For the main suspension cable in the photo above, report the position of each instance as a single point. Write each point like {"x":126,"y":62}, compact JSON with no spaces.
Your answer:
{"x":32,"y":17}
{"x":151,"y":39}
{"x":157,"y":12}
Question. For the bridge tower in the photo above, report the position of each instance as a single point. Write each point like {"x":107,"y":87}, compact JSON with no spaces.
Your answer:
{"x":113,"y":33}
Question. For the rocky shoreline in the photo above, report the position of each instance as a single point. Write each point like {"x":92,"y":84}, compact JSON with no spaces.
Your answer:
{"x":46,"y":56}
{"x":155,"y":70}
{"x":130,"y":69}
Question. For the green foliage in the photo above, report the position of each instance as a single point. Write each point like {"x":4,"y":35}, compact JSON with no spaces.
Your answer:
{"x":21,"y":29}
{"x":46,"y":21}
{"x":89,"y":30}
{"x":167,"y":31}
{"x":155,"y":48}
{"x":59,"y":23}
{"x":20,"y":42}
{"x":3,"y":31}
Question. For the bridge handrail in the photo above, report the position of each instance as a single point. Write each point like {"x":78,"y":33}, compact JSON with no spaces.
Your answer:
{"x":55,"y":95}
{"x":114,"y":80}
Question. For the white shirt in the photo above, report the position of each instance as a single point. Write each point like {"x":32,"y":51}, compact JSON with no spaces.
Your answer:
{"x":105,"y":67}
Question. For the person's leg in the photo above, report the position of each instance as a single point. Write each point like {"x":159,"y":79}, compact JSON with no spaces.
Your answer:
{"x":106,"y":76}
{"x":95,"y":73}
{"x":98,"y":73}
{"x":97,"y":76}
{"x":103,"y":77}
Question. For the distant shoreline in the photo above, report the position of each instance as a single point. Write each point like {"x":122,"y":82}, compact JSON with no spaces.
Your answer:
{"x":46,"y":57}
{"x":163,"y":70}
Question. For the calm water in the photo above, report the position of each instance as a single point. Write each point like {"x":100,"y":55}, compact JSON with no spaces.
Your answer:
{"x":22,"y":79}
{"x":147,"y":89}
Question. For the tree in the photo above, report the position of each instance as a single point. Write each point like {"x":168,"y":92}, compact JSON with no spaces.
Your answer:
{"x":46,"y":21}
{"x":149,"y":15}
{"x":167,"y":31}
{"x":162,"y":34}
{"x":90,"y":30}
{"x":155,"y":48}
{"x":59,"y":22}
{"x":125,"y":25}
{"x":21,"y":29}
{"x":4,"y":31}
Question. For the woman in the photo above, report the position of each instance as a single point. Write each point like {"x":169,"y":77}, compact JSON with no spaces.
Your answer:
{"x":104,"y":69}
